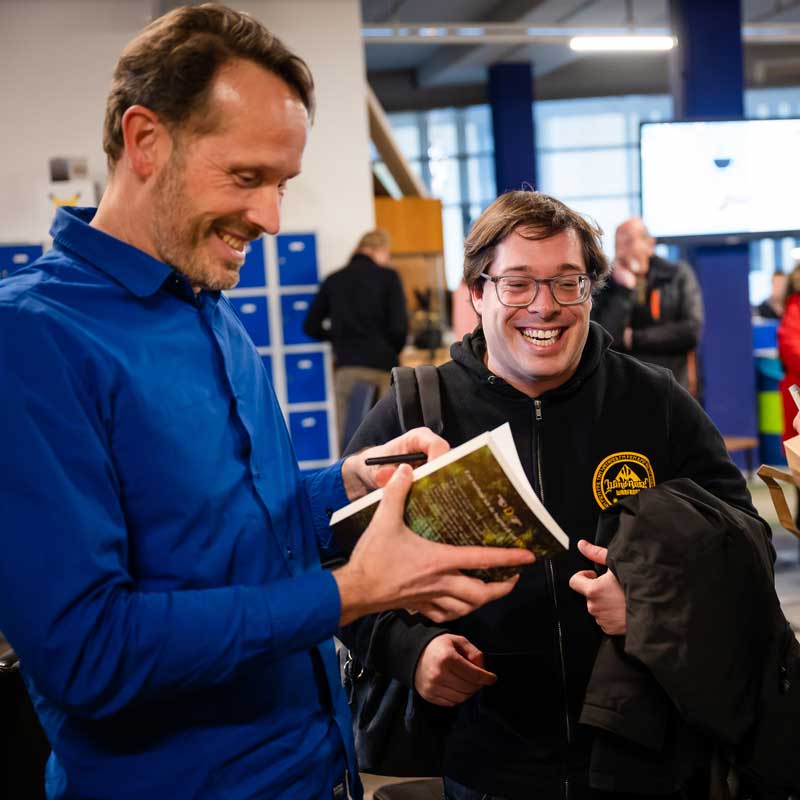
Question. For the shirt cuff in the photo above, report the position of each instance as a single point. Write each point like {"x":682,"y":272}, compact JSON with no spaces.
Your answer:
{"x":298,"y":613}
{"x":325,"y":490}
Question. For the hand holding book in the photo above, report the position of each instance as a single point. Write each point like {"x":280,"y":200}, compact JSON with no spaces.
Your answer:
{"x":476,"y":494}
{"x":391,"y":567}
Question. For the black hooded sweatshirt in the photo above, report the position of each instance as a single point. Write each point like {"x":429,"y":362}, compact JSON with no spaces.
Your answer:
{"x":615,"y":427}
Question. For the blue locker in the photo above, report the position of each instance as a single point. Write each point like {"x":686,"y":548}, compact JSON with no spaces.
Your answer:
{"x":309,"y":431}
{"x":305,"y":378}
{"x":254,"y":315}
{"x":294,"y":308}
{"x":253,"y":272}
{"x":16,"y":256}
{"x":297,"y":259}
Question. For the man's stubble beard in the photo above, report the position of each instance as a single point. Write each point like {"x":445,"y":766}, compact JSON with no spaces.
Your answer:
{"x":177,"y":234}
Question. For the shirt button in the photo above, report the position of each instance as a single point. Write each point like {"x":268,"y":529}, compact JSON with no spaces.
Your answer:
{"x":289,"y":553}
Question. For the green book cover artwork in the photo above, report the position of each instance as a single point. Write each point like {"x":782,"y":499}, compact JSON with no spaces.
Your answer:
{"x":470,"y":501}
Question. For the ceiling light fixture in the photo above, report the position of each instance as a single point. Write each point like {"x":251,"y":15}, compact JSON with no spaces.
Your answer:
{"x":616,"y":44}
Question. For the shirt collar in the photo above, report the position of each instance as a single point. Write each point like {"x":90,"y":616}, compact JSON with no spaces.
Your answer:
{"x":138,"y":272}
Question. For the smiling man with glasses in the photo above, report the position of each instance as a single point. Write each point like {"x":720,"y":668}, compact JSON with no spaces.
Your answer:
{"x":592,"y":426}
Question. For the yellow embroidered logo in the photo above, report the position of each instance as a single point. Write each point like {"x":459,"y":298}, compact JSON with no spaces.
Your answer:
{"x":620,"y":475}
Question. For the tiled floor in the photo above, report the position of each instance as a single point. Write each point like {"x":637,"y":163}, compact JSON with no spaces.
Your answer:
{"x":787,"y":582}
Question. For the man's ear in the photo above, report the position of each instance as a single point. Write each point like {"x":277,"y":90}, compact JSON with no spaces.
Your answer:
{"x":147,"y":142}
{"x":476,"y":297}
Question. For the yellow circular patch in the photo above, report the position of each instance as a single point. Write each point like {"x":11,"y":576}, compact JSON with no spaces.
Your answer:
{"x":621,"y":475}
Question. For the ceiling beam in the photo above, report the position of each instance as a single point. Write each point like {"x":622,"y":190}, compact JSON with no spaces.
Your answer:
{"x":380,"y":132}
{"x":430,"y":71}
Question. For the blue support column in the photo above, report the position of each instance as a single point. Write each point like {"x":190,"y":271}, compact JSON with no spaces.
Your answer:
{"x":707,"y":67}
{"x":510,"y":90}
{"x":707,"y":80}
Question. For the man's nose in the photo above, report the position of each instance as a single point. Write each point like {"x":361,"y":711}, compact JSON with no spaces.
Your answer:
{"x":265,"y":210}
{"x":544,"y":303}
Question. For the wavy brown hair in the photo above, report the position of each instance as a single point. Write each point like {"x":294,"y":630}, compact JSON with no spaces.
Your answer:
{"x":540,"y":217}
{"x":171,"y":65}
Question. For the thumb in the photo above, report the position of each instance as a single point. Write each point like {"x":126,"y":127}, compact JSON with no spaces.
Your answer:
{"x":394,"y":493}
{"x":582,"y":581}
{"x":593,"y":552}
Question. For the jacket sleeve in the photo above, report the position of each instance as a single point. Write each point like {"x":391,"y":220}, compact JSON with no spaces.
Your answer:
{"x":92,"y":639}
{"x":320,"y":311}
{"x":392,"y":642}
{"x":397,"y":318}
{"x":683,"y":333}
{"x":612,"y":309}
{"x":789,"y":337}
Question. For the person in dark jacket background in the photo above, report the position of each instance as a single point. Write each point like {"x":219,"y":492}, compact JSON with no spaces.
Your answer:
{"x":361,"y":310}
{"x":592,"y":427}
{"x":652,"y":308}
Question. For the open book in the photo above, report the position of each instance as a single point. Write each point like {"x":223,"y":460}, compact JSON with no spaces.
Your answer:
{"x":475,"y":494}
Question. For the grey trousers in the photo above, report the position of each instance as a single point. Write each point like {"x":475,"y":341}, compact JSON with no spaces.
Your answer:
{"x":343,"y":380}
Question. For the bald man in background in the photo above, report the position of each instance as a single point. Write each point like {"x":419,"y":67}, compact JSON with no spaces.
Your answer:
{"x":652,"y":307}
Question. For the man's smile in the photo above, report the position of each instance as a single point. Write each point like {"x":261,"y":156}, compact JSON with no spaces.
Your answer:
{"x":542,"y":337}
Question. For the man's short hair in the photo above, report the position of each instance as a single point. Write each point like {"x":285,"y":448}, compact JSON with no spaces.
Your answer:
{"x":376,"y":239}
{"x":541,"y":216}
{"x":171,"y":65}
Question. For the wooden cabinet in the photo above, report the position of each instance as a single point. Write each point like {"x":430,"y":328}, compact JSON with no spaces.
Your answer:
{"x":415,"y":225}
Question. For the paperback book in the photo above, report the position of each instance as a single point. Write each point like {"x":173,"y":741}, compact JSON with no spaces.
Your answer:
{"x":475,"y":494}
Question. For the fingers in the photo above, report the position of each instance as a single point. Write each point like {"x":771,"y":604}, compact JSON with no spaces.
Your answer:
{"x":593,"y":552}
{"x":444,"y":676}
{"x":384,"y":474}
{"x":465,"y":648}
{"x":456,"y":595}
{"x":446,"y":696}
{"x":422,"y":439}
{"x":394,"y":493}
{"x":582,"y":582}
{"x":453,"y":557}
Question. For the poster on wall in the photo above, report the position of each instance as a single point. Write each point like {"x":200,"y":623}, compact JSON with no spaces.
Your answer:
{"x":69,"y":185}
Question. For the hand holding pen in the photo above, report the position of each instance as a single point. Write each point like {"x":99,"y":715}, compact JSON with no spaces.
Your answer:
{"x":372,"y":468}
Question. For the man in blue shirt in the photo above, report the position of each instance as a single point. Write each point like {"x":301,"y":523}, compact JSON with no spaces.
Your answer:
{"x":160,"y":576}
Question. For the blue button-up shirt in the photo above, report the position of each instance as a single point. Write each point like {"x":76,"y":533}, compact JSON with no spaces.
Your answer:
{"x":160,"y":576}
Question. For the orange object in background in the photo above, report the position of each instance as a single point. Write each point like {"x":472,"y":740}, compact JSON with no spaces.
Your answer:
{"x":655,"y":304}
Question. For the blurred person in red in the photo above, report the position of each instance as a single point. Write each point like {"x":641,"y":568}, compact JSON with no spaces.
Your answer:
{"x":789,"y":351}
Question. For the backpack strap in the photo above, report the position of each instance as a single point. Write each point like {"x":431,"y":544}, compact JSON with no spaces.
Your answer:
{"x":418,"y":397}
{"x":429,"y":398}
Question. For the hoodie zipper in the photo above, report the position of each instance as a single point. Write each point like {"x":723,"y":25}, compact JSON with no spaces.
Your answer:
{"x":551,"y":580}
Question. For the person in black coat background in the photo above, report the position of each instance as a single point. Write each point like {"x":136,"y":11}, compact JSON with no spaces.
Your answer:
{"x":652,"y":308}
{"x":361,"y":310}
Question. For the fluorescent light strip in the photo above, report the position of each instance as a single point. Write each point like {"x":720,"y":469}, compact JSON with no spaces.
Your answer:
{"x":620,"y":43}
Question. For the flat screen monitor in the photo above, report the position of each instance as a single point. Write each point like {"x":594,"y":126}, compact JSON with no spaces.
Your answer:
{"x":720,"y":180}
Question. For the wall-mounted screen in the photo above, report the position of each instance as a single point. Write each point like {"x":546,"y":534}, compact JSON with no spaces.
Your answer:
{"x":721,"y":179}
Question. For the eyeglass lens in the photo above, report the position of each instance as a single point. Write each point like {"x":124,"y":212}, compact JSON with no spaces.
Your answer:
{"x":518,"y":291}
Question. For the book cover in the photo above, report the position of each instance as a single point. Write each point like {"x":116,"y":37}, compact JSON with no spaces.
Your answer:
{"x":476,"y":494}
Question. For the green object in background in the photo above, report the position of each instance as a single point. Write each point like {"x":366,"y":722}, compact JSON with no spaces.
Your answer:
{"x":770,"y":412}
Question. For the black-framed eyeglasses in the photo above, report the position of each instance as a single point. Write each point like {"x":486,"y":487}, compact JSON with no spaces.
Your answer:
{"x":519,"y":291}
